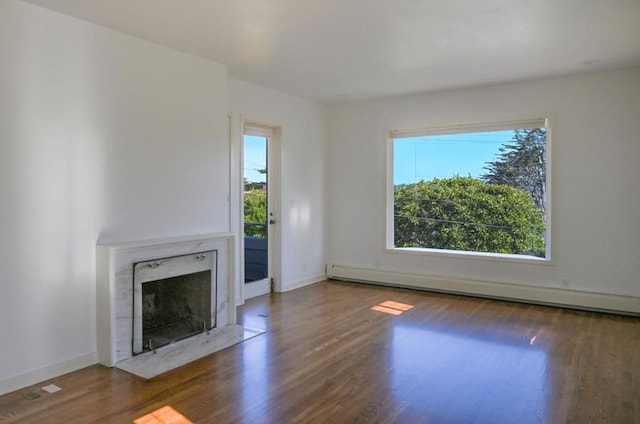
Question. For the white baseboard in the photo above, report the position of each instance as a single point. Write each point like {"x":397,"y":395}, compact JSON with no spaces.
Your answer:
{"x":30,"y":378}
{"x":303,"y":283}
{"x":523,"y":293}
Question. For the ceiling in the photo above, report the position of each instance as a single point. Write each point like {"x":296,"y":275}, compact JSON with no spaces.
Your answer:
{"x":343,"y":50}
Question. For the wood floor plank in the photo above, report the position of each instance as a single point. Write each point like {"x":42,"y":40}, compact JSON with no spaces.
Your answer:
{"x":328,"y":357}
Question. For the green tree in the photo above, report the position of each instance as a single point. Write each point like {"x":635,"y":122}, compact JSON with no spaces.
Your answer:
{"x":464,"y":213}
{"x":255,"y":212}
{"x":521,"y":164}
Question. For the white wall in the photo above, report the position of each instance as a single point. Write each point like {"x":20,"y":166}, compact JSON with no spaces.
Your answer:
{"x":301,"y":212}
{"x":596,"y":179}
{"x":102,"y":136}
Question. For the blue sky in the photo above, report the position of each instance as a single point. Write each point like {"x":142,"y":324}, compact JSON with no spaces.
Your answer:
{"x":443,"y":156}
{"x":255,"y":157}
{"x":438,"y":156}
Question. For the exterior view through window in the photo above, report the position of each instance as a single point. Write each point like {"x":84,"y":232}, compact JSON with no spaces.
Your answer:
{"x":255,"y":208}
{"x":480,"y":189}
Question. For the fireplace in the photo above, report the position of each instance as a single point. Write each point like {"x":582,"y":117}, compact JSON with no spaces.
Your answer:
{"x":177,"y":291}
{"x":174,"y":298}
{"x":132,"y":274}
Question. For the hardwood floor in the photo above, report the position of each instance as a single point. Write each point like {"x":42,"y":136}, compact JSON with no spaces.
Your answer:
{"x":328,"y":357}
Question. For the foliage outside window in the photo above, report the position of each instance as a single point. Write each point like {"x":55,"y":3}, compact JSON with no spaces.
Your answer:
{"x":480,"y":189}
{"x":255,"y":211}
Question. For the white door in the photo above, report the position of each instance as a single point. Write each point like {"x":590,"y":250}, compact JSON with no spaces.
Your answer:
{"x":258,"y":215}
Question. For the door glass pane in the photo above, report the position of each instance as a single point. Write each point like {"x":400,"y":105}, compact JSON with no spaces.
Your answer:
{"x":255,"y":208}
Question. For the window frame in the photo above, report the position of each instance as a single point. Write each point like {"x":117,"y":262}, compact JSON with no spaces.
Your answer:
{"x":547,"y":120}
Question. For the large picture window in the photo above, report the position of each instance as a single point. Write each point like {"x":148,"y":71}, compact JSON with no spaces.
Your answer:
{"x":479,"y":189}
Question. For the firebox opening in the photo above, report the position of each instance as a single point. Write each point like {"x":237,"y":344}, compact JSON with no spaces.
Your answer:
{"x":175,"y":308}
{"x":173,"y":298}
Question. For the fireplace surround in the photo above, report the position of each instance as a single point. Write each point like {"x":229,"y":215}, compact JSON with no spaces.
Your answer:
{"x":116,"y":266}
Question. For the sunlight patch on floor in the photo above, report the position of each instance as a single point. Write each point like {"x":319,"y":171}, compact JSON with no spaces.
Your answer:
{"x":164,"y":415}
{"x":391,"y":307}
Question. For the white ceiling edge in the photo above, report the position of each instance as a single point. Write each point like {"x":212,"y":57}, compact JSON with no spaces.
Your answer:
{"x":333,"y":51}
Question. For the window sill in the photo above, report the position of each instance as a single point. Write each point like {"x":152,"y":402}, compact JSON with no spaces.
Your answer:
{"x":500,"y":257}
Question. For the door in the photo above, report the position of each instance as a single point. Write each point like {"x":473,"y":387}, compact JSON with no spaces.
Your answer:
{"x":257,"y":214}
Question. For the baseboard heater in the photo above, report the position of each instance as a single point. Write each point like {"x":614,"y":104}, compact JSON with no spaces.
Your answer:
{"x":574,"y":299}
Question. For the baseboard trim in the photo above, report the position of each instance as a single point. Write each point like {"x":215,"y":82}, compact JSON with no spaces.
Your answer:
{"x":575,"y":299}
{"x":303,"y":283}
{"x":30,"y":378}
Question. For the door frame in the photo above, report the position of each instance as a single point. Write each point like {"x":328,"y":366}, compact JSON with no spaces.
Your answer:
{"x":273,"y":202}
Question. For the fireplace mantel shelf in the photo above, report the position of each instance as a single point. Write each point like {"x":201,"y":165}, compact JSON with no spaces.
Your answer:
{"x":136,"y":244}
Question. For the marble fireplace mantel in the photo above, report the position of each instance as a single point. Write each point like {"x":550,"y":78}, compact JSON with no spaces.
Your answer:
{"x":114,"y":291}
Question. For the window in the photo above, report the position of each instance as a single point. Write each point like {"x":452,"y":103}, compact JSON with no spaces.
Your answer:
{"x":478,"y":189}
